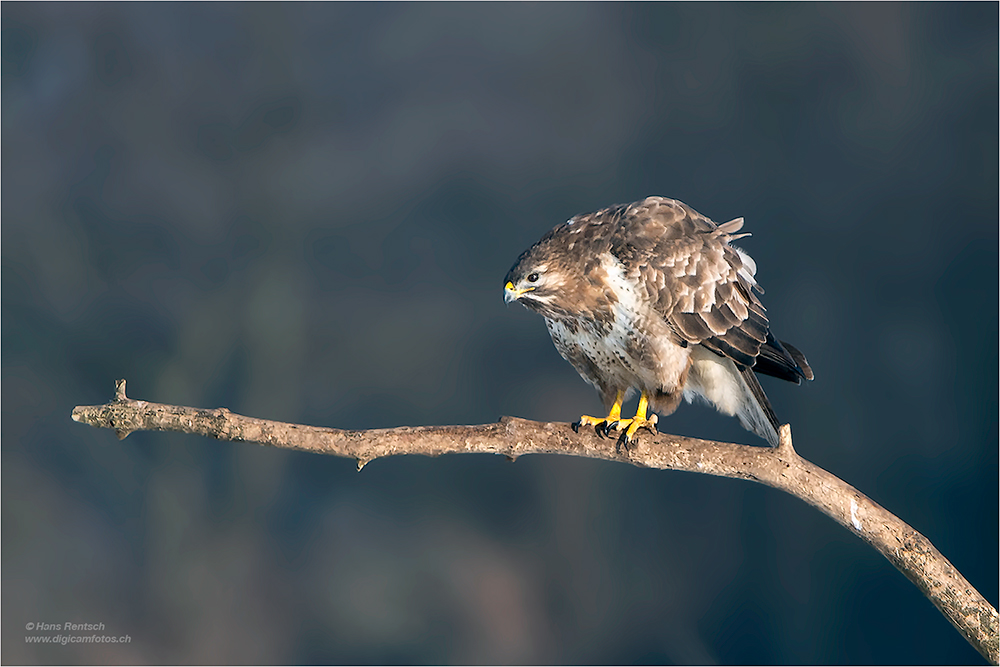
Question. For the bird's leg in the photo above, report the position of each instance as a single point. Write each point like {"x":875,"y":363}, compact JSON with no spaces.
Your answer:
{"x":604,"y":424}
{"x":629,"y":427}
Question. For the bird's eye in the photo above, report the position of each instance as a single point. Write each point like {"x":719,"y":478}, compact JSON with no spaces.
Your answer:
{"x":532,"y":277}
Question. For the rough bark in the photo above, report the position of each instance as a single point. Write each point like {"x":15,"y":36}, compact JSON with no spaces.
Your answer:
{"x":780,"y":467}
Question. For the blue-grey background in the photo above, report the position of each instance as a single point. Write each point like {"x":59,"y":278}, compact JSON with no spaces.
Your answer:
{"x":304,"y":212}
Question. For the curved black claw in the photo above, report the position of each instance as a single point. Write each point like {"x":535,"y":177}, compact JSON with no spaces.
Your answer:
{"x":623,"y":441}
{"x":576,"y":426}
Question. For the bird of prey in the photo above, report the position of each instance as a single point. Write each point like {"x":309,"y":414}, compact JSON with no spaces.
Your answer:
{"x":652,"y":296}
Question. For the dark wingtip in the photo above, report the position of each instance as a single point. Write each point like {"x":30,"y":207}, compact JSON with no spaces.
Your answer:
{"x":783,"y":361}
{"x":800,"y":360}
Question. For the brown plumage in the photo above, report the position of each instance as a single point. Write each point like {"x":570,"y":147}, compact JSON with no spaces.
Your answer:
{"x":652,"y":296}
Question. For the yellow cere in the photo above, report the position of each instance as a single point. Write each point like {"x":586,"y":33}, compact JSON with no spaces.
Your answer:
{"x":509,"y":285}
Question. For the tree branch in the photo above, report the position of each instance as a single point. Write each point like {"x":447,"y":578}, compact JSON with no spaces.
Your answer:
{"x":780,"y":467}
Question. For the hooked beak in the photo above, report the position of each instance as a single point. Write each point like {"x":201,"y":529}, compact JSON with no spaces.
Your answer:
{"x":512,"y":294}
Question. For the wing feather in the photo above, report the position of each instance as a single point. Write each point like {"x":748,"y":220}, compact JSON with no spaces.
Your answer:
{"x":782,"y":360}
{"x":702,"y":286}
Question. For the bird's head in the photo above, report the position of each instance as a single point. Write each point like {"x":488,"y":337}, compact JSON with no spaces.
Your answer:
{"x":540,"y":281}
{"x":533,"y":282}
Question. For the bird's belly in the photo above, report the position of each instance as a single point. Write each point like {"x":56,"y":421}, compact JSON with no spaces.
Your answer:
{"x":622,"y":357}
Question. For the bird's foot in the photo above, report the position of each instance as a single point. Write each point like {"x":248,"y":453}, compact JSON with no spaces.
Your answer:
{"x":614,"y":421}
{"x":629,"y":427}
{"x":602,"y":425}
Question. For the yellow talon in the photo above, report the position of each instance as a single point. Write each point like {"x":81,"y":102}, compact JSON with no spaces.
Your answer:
{"x":614,"y":420}
{"x":635,"y":424}
{"x":639,"y":421}
{"x":614,"y":416}
{"x":587,"y":420}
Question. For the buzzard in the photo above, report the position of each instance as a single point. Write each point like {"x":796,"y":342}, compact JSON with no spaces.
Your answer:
{"x":652,"y":296}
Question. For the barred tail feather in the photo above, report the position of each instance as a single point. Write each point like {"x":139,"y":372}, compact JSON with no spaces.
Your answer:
{"x":756,"y":414}
{"x":733,"y":390}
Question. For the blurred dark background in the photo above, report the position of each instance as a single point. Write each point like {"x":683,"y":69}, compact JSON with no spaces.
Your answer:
{"x":304,"y":212}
